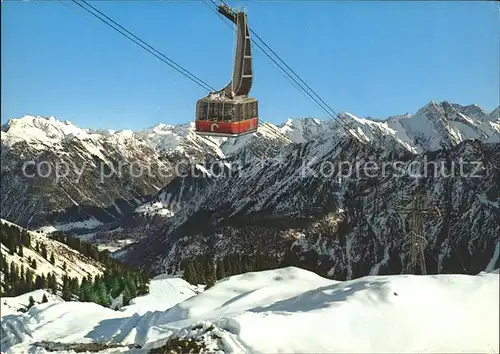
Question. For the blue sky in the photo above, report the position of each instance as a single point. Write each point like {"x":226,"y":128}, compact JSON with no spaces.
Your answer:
{"x":369,"y":58}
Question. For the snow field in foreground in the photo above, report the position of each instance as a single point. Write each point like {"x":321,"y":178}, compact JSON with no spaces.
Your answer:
{"x":285,"y":310}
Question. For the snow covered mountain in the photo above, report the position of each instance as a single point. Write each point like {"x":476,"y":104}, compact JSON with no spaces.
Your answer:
{"x":56,"y":174}
{"x":268,"y":178}
{"x":345,"y":228}
{"x":433,"y":127}
{"x":104,"y":175}
{"x":290,"y":192}
{"x":287,"y":310}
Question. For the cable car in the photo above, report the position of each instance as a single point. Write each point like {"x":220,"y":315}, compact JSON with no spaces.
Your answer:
{"x":230,"y":112}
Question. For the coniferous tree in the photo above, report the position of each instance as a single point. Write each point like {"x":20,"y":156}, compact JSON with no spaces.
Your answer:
{"x":31,"y":302}
{"x":11,"y":244}
{"x":33,"y":264}
{"x":29,"y":280}
{"x":50,"y":284}
{"x":74,"y":286}
{"x":25,"y":238}
{"x":84,"y":293}
{"x":7,"y":291}
{"x":40,"y":282}
{"x":53,"y":283}
{"x":13,"y":274}
{"x":130,"y":284}
{"x":66,"y":291}
{"x":220,"y":272}
{"x":114,"y":287}
{"x":22,"y":281}
{"x":190,"y":273}
{"x":127,"y":296}
{"x":52,"y":259}
{"x":251,"y":264}
{"x":6,"y":272}
{"x":209,"y":268}
{"x":237,"y":264}
{"x":93,"y":296}
{"x":44,"y":298}
{"x":43,"y":249}
{"x":18,"y":273}
{"x":227,"y":266}
{"x":102,"y":293}
{"x":199,"y":270}
{"x":142,"y":284}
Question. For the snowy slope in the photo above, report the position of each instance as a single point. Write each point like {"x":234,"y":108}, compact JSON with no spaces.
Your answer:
{"x":13,"y":305}
{"x":48,"y":132}
{"x":165,"y":291}
{"x":77,"y":265}
{"x":433,"y":126}
{"x":303,"y":130}
{"x":39,"y":132}
{"x":68,"y":321}
{"x":180,"y":139}
{"x":291,"y":310}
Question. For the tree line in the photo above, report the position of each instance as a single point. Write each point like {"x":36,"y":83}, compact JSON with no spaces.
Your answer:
{"x":205,"y":269}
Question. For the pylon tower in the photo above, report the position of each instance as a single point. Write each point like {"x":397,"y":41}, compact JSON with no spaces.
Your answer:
{"x":416,"y":242}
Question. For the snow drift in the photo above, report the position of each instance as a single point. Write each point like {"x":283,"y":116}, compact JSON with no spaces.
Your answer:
{"x":289,"y":310}
{"x":17,"y":304}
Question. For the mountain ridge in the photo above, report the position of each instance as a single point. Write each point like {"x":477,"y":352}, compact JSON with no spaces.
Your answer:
{"x":64,"y":129}
{"x":115,"y":210}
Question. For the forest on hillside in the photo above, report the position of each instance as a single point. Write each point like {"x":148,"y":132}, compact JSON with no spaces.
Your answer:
{"x":117,"y":279}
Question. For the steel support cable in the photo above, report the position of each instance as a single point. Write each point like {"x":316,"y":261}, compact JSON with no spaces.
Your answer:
{"x":277,"y":56}
{"x":302,"y":81}
{"x":288,"y":77}
{"x":321,"y":105}
{"x":282,"y":71}
{"x":64,"y":3}
{"x":328,"y":110}
{"x":146,"y":46}
{"x":289,"y":68}
{"x":226,"y":21}
{"x":149,"y":46}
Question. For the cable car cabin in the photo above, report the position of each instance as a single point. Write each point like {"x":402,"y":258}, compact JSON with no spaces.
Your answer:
{"x":230,"y":112}
{"x":226,"y":117}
